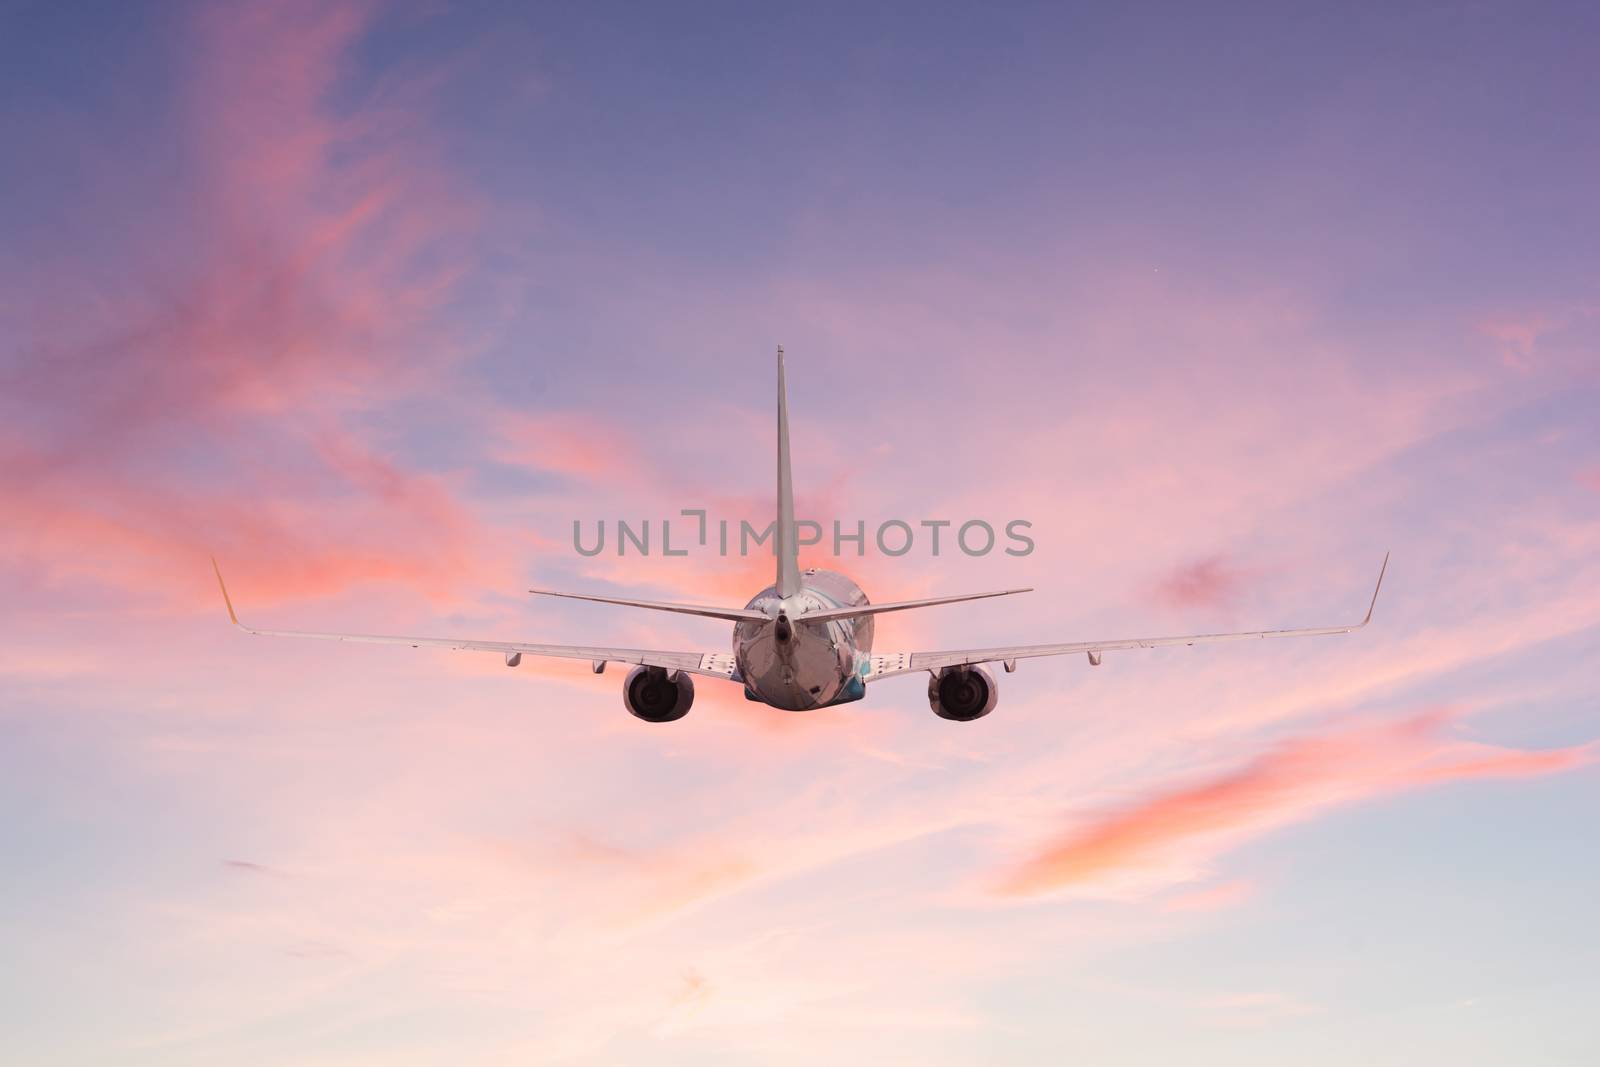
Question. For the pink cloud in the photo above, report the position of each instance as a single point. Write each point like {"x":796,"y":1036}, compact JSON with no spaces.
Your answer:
{"x":573,"y":443}
{"x":1209,"y":582}
{"x":136,"y":536}
{"x":1544,"y":334}
{"x":1516,"y":336}
{"x":202,"y":406}
{"x":1179,"y":831}
{"x":717,"y":874}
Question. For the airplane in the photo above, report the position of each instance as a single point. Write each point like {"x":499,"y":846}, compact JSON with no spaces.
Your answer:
{"x":802,"y":643}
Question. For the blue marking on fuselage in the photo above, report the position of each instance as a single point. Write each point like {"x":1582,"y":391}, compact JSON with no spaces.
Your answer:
{"x":854,"y":689}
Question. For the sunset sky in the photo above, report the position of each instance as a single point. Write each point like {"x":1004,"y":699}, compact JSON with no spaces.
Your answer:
{"x":373,"y":301}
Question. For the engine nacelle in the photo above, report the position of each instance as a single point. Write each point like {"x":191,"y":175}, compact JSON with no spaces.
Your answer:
{"x":963,"y":693}
{"x":656,"y":694}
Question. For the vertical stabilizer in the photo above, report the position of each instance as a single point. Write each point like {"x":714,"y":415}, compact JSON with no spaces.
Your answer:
{"x":788,"y":551}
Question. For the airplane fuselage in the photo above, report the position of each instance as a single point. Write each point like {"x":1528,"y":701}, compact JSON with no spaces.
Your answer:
{"x":795,"y":665}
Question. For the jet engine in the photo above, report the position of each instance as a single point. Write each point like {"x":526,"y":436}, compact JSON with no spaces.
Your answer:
{"x":656,"y":694}
{"x":963,"y":693}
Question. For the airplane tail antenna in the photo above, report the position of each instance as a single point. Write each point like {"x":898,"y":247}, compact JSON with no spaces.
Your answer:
{"x":785,"y":543}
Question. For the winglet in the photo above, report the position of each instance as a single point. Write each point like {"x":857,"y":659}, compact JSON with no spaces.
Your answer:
{"x":220,"y":585}
{"x":1375,"y":589}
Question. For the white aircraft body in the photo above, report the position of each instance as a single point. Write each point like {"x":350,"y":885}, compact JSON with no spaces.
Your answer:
{"x":804,"y":642}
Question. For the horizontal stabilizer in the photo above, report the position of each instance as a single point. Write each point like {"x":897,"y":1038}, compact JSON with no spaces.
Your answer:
{"x":731,"y":614}
{"x":901,"y":605}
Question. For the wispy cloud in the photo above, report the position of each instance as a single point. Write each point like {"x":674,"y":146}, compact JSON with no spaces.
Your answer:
{"x":1175,"y":835}
{"x":298,"y":340}
{"x":202,"y":404}
{"x":1213,"y":581}
{"x":248,"y":867}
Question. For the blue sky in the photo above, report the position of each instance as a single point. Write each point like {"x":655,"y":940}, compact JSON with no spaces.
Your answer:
{"x":374,"y":301}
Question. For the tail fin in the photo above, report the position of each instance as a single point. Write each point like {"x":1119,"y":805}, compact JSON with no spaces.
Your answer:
{"x":785,"y":542}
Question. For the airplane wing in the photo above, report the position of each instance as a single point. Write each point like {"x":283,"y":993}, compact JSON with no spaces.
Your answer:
{"x":712,"y":664}
{"x":889,"y":664}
